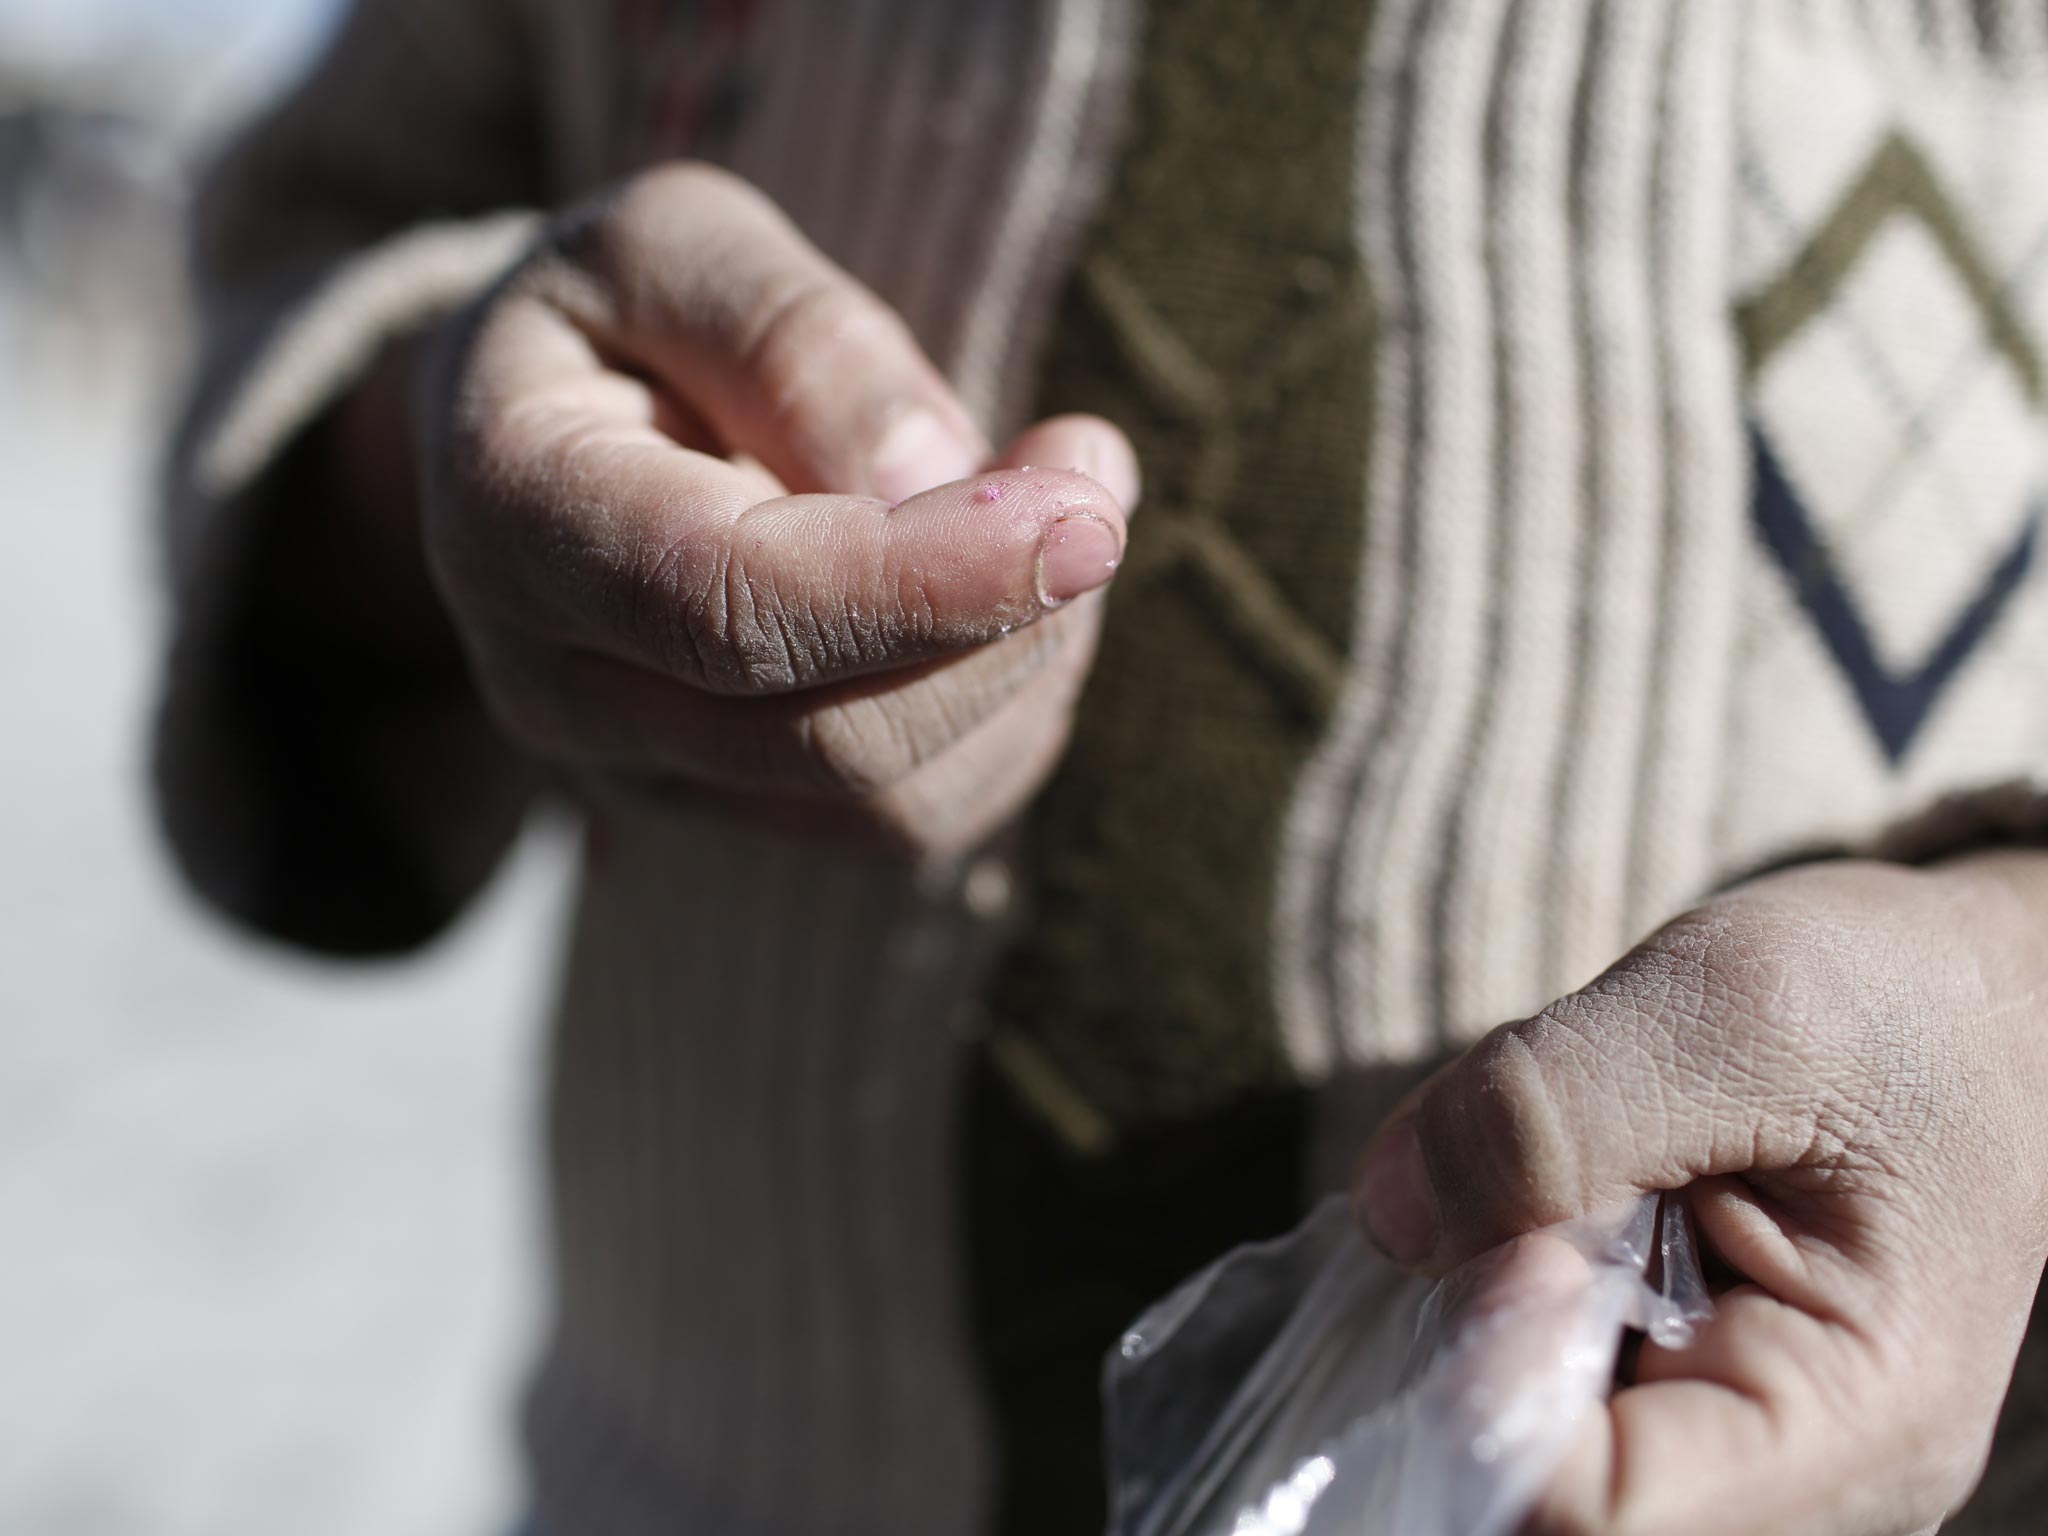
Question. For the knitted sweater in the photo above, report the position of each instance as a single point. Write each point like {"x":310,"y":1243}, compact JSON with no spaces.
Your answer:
{"x":1644,"y":402}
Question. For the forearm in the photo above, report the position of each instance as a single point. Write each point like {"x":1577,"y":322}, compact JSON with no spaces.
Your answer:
{"x":327,"y":773}
{"x":344,"y":582}
{"x":324,"y":771}
{"x":374,"y":790}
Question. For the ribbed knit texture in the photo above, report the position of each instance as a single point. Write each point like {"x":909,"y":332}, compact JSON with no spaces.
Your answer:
{"x":1219,"y":314}
{"x":1593,"y":447}
{"x":944,"y":153}
{"x":805,"y":1370}
{"x":755,"y":1281}
{"x":1552,"y":532}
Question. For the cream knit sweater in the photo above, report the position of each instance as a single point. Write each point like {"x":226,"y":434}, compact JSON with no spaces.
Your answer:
{"x":1690,"y":526}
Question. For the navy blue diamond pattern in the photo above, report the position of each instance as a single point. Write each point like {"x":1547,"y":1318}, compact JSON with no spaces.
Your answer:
{"x":1897,"y":182}
{"x":1896,"y":707}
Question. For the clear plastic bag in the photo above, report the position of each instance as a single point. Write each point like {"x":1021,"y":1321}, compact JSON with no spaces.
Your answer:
{"x":1304,"y":1387}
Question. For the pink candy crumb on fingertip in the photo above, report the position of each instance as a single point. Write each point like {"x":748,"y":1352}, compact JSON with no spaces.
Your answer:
{"x":990,"y":490}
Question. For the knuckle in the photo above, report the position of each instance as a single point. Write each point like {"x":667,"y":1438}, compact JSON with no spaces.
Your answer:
{"x":693,"y":182}
{"x":1762,"y":1013}
{"x":693,"y":608}
{"x":790,"y":341}
{"x":727,"y":628}
{"x":852,"y":751}
{"x":767,"y":643}
{"x":612,"y":236}
{"x":1727,"y":962}
{"x":1710,"y":1004}
{"x":917,"y":613}
{"x":1504,"y":1118}
{"x":762,"y":613}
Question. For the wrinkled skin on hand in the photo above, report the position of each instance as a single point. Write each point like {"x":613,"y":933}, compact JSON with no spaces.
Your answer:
{"x":1847,"y":1066}
{"x":712,"y":529}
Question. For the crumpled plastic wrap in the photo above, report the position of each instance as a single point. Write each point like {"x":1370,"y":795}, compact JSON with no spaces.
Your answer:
{"x":1304,"y":1387}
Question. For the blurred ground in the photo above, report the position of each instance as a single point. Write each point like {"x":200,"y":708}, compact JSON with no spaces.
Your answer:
{"x":265,"y":1228}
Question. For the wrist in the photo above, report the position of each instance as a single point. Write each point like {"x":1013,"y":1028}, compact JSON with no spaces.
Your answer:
{"x":2001,"y":905}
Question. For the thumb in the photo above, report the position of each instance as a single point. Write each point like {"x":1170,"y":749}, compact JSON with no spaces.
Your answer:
{"x":1608,"y":1093}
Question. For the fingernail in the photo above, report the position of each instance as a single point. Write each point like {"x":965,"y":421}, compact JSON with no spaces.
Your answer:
{"x":1394,"y":1201}
{"x":1077,"y":555}
{"x":919,"y":452}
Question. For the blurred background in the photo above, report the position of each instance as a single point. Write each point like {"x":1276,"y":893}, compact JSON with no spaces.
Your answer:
{"x":266,"y":1227}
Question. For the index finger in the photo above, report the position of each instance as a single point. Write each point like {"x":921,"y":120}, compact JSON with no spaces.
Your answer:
{"x":704,"y":284}
{"x":601,"y":531}
{"x":1762,"y":1425}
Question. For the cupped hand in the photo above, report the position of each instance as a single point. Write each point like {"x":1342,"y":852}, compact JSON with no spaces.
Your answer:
{"x":1847,"y":1066}
{"x":713,"y":529}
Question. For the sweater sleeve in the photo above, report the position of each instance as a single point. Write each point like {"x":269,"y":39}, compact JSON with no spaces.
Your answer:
{"x":323,"y":774}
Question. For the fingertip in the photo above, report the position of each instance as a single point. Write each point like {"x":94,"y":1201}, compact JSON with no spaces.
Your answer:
{"x":1088,"y":445}
{"x":1077,"y":525}
{"x":1393,"y":1200}
{"x":1022,"y":500}
{"x":980,"y":557}
{"x":918,"y":452}
{"x":1108,"y":459}
{"x":1078,"y":555}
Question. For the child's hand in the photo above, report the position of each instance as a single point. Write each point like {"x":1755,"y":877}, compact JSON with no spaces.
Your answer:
{"x":712,"y":526}
{"x":1848,"y":1064}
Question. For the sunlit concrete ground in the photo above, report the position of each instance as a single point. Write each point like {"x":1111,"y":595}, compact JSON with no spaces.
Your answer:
{"x":265,"y":1226}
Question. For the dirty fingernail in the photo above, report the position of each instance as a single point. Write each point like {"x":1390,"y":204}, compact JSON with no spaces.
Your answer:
{"x":1394,"y":1201}
{"x":1077,"y":555}
{"x":919,"y":452}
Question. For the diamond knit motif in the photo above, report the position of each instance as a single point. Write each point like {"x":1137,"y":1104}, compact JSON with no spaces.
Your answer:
{"x":1219,"y":314}
{"x":1193,"y":533}
{"x":1135,"y":1111}
{"x":1895,"y":395}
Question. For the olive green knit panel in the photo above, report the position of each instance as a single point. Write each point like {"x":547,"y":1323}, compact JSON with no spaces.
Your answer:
{"x":1898,"y":181}
{"x":1065,"y":1252}
{"x":1218,"y":314}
